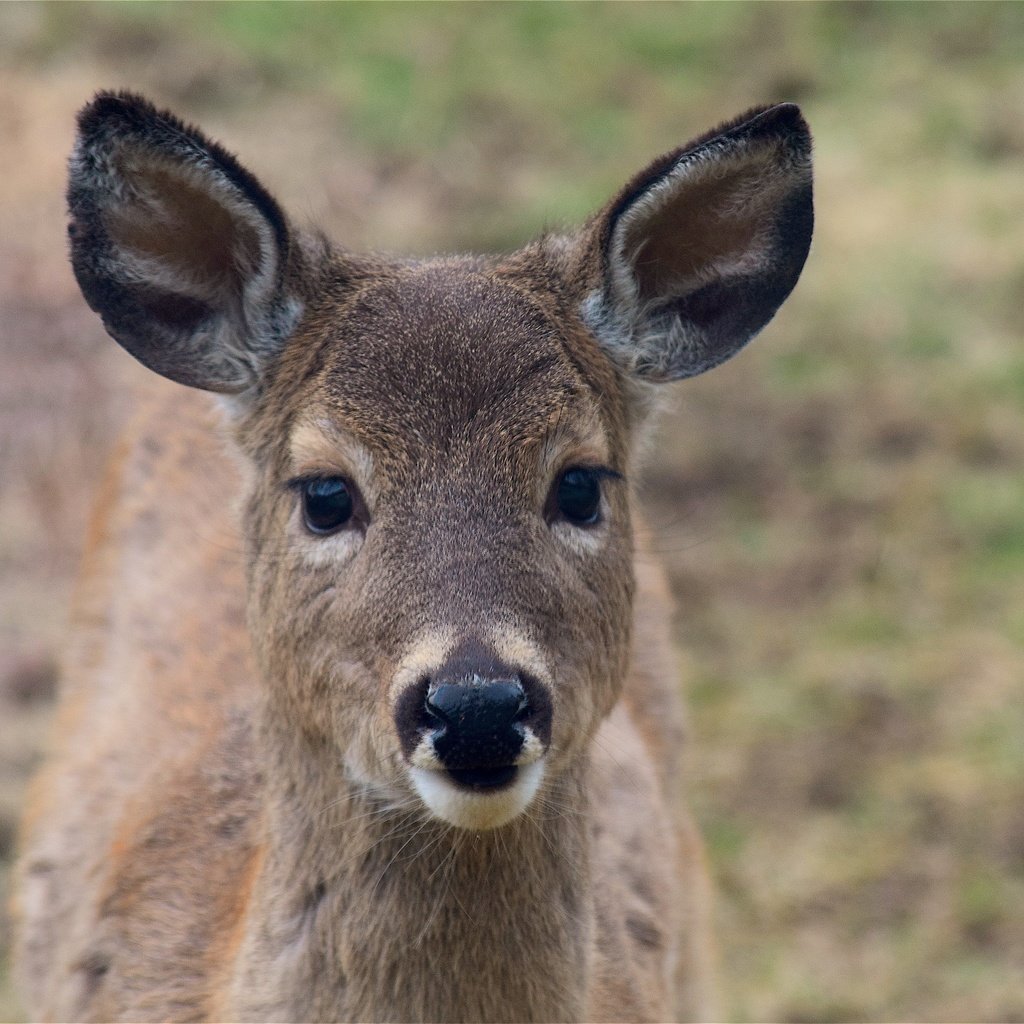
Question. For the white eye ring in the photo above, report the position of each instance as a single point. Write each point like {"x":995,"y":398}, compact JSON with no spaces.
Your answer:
{"x":581,"y":540}
{"x":323,"y":550}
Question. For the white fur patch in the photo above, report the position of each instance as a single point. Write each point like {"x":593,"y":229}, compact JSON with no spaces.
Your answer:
{"x":477,"y":811}
{"x":330,"y":550}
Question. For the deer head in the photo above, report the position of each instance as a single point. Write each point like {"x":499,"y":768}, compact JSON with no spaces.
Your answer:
{"x":440,"y":451}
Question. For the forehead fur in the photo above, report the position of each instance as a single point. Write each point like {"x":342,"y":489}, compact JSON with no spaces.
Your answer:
{"x":420,"y":363}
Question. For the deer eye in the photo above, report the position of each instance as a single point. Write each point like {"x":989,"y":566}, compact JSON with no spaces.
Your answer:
{"x":578,"y":496}
{"x":327,"y":503}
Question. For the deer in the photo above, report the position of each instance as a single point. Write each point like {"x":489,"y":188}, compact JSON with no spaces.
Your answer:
{"x":369,"y":709}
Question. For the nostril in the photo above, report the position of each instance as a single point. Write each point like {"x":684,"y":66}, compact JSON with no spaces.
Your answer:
{"x":432,"y":716}
{"x":445,"y":702}
{"x":522,"y":711}
{"x":412,"y":716}
{"x":535,"y":711}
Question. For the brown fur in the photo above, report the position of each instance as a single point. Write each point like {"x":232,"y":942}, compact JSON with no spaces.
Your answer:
{"x":227,"y":829}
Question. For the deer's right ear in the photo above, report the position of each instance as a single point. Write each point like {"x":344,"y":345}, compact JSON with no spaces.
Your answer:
{"x":699,"y":250}
{"x":179,"y":249}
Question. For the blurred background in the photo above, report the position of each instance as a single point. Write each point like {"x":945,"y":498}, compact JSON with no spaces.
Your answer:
{"x":841,"y":508}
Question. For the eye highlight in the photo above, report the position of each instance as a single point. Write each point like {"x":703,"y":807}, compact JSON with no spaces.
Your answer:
{"x":328,"y":503}
{"x":576,"y":496}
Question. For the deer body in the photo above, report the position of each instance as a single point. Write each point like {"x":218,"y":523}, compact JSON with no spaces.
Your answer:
{"x":374,"y":716}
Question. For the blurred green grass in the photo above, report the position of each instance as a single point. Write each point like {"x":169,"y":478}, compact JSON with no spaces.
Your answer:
{"x":841,"y":508}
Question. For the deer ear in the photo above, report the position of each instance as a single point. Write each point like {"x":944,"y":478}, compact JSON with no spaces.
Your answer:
{"x":179,"y":249}
{"x":700,"y":249}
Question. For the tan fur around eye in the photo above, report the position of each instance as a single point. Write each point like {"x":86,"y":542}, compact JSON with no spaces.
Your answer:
{"x":320,"y":447}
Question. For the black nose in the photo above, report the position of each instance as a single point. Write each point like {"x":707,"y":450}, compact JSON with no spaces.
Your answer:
{"x":474,"y":714}
{"x":477,"y":722}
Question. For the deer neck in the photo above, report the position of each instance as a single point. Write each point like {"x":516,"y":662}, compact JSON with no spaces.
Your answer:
{"x":367,"y":911}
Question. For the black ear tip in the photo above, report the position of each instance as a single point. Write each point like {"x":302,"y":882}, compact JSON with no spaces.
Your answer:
{"x":783,"y":122}
{"x":783,"y":119}
{"x":110,"y":110}
{"x":786,"y":115}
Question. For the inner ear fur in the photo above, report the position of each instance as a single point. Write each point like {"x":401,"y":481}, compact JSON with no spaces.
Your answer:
{"x":697,"y":253}
{"x":179,"y":248}
{"x":183,"y":232}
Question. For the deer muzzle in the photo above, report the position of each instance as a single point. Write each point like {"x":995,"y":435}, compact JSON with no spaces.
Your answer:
{"x":475,"y":740}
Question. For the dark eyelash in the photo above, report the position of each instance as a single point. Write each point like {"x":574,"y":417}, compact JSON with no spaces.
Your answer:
{"x":600,"y":471}
{"x":298,"y":482}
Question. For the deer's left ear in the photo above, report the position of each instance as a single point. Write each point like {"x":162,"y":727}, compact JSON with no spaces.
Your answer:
{"x":701,"y":248}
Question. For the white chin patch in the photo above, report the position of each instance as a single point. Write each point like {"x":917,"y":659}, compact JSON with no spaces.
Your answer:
{"x":475,"y":809}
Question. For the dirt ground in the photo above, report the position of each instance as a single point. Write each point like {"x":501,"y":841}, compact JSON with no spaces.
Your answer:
{"x":841,"y":510}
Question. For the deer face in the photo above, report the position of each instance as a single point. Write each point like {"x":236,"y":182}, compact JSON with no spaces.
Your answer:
{"x":444,"y":582}
{"x":438,"y":524}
